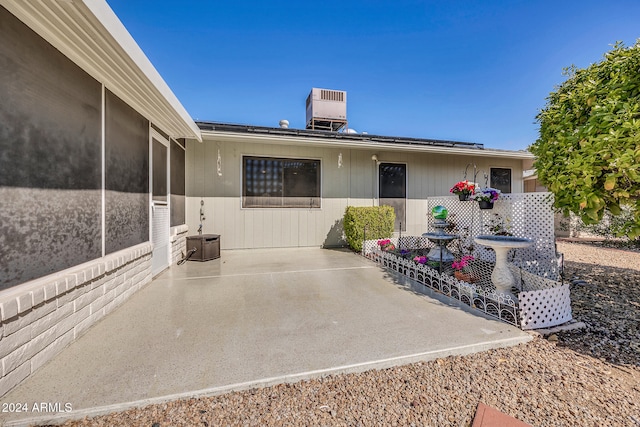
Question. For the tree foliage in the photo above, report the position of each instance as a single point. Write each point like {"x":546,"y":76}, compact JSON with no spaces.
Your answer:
{"x":588,"y":152}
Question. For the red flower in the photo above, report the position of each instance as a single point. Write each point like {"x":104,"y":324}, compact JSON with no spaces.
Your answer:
{"x":463,"y":187}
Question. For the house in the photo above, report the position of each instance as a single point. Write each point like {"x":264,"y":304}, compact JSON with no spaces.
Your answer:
{"x":103,"y":174}
{"x":261,"y":187}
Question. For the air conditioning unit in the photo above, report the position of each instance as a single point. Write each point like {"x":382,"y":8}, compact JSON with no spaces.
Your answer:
{"x":327,"y":109}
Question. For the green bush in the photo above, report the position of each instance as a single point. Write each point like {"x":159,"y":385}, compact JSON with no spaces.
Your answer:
{"x":588,"y":152}
{"x":379,"y":221}
{"x":611,"y":226}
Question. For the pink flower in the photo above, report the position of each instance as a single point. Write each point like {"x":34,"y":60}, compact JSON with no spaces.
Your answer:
{"x":460,"y":265}
{"x":420,"y":259}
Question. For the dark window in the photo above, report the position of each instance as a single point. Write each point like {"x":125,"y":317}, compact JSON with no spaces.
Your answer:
{"x":393,"y":190}
{"x":393,"y":181}
{"x":275,"y":183}
{"x":501,"y":179}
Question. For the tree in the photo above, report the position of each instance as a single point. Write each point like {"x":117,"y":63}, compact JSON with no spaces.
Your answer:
{"x":588,"y":152}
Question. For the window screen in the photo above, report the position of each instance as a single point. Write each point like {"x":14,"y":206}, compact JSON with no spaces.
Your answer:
{"x":159,"y":171}
{"x":272,"y":183}
{"x":393,"y":180}
{"x":501,"y":179}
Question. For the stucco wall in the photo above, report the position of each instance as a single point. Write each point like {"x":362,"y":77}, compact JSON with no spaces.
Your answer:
{"x":355,"y":183}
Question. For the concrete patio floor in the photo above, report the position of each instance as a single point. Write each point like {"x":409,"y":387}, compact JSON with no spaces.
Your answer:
{"x":249,"y":319}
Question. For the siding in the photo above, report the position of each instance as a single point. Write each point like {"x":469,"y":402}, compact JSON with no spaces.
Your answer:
{"x":355,"y":183}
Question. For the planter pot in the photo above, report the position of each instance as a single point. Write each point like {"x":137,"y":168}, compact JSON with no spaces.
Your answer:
{"x":465,"y":277}
{"x":463,"y":197}
{"x":485,"y":205}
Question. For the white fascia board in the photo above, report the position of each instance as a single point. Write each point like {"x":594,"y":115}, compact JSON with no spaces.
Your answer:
{"x":361,"y":145}
{"x":103,"y":12}
{"x":90,"y":34}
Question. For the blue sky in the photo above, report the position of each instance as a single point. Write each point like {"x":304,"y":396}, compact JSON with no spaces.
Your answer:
{"x":474,"y":71}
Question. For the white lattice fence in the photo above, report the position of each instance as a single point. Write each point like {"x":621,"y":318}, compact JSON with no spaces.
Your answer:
{"x":528,"y":215}
{"x":544,"y":308}
{"x":543,"y":301}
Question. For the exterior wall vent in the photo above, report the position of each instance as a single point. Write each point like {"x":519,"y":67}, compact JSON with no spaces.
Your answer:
{"x":327,"y":109}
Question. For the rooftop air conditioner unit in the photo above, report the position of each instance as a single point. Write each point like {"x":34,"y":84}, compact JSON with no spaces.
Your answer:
{"x":327,"y":109}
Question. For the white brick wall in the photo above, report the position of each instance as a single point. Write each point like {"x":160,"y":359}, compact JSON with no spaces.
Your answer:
{"x":40,"y":318}
{"x":178,"y":243}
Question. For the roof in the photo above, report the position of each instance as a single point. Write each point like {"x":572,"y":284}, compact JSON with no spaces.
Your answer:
{"x":289,"y":136}
{"x":90,"y":34}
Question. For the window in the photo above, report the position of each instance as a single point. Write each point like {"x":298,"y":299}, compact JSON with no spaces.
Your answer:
{"x":501,"y":179}
{"x":280,"y":183}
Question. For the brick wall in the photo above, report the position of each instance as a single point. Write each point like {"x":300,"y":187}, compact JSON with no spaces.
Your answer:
{"x":40,"y":318}
{"x":178,"y":243}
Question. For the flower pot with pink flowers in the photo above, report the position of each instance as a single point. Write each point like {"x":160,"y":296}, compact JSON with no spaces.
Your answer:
{"x":462,"y":269}
{"x":386,"y":245}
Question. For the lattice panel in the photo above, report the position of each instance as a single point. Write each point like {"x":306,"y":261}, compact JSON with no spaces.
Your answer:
{"x":528,"y":215}
{"x":545,"y":308}
{"x":542,"y":300}
{"x":495,"y":304}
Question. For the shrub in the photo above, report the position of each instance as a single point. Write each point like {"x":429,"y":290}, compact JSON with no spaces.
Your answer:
{"x":379,"y":221}
{"x":611,"y":226}
{"x":588,"y":152}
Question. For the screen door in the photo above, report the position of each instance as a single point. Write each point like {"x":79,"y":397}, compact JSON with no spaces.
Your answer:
{"x":393,"y":190}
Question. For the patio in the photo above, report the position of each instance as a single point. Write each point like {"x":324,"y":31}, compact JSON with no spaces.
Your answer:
{"x":249,"y":319}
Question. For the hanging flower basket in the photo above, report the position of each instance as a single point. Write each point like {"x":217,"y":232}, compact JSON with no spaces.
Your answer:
{"x":463,"y":189}
{"x":485,"y":197}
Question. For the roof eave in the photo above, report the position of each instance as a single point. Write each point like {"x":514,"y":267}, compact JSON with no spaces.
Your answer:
{"x":90,"y":34}
{"x":362,"y":145}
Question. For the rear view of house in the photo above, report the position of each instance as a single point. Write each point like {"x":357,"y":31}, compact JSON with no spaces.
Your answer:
{"x":103,"y":174}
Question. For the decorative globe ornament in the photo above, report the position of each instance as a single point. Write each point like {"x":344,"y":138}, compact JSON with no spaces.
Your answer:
{"x":440,"y":252}
{"x":439,"y":212}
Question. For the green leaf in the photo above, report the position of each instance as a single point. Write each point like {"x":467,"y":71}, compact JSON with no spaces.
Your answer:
{"x":614,"y":208}
{"x":610,"y":183}
{"x":592,"y":213}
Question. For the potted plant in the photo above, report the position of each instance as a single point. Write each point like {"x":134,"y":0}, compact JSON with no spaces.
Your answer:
{"x":463,"y":189}
{"x":485,"y":197}
{"x":386,"y":245}
{"x":420,"y":259}
{"x":463,"y":269}
{"x":499,"y":226}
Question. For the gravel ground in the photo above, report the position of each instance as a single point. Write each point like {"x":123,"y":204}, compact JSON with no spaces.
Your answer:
{"x":589,"y":377}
